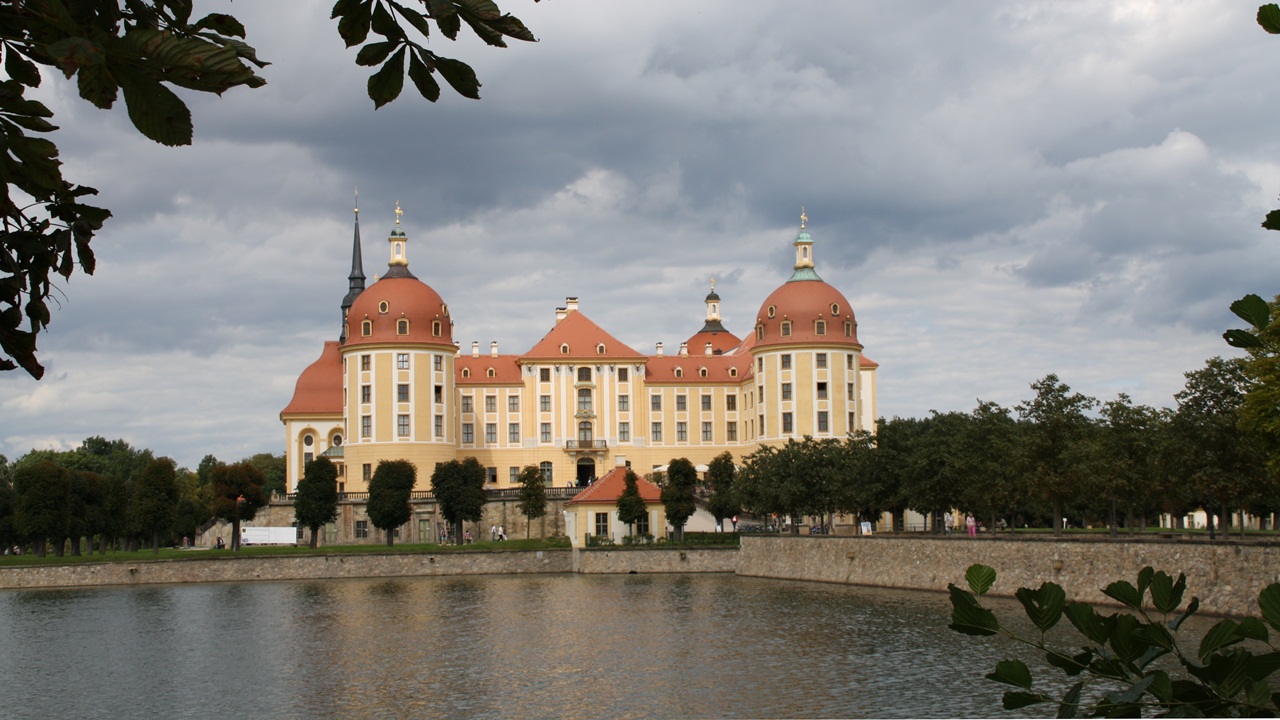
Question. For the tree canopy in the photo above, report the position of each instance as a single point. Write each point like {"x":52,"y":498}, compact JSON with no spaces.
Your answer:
{"x":631,"y":507}
{"x":458,"y":486}
{"x":533,"y":495}
{"x":678,"y":494}
{"x":389,"y":491}
{"x":316,"y":503}
{"x":237,"y":495}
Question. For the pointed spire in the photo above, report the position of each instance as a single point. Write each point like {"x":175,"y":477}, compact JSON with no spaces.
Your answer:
{"x":398,"y":266}
{"x":713,"y":323}
{"x":804,"y":253}
{"x":355,"y":281}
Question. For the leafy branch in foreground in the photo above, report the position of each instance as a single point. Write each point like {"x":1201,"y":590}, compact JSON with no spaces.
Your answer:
{"x":1119,"y":662}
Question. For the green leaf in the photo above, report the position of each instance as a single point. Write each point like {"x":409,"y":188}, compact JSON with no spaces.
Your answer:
{"x":1070,"y":702}
{"x":460,"y":77}
{"x":420,"y":74}
{"x":1192,"y":607}
{"x":1144,"y":580}
{"x":1269,"y":603}
{"x":74,"y":53}
{"x":386,"y":84}
{"x":1242,"y":339}
{"x":20,"y":68}
{"x":156,"y":111}
{"x":980,"y":578}
{"x":1087,"y":620}
{"x":1161,"y":686}
{"x":1044,"y":606}
{"x":96,"y":85}
{"x":968,"y":617}
{"x":1072,"y":665}
{"x":1253,"y":629}
{"x":1253,"y":310}
{"x":1166,"y":594}
{"x":1132,"y":693}
{"x":1257,"y":694}
{"x":1124,"y":593}
{"x":416,"y":19}
{"x":222,"y":24}
{"x":384,"y":23}
{"x":1261,"y":667}
{"x":1127,"y":640}
{"x":1273,"y":221}
{"x":375,"y":53}
{"x":1012,"y":672}
{"x":353,"y":27}
{"x":1014,"y":699}
{"x":1219,"y":636}
{"x":1269,"y":18}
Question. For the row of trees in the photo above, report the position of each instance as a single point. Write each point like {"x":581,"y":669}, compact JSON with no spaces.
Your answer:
{"x":1056,"y":455}
{"x":113,"y":496}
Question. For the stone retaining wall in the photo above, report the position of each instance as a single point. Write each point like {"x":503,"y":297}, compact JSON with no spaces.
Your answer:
{"x":1226,"y":577}
{"x":701,"y":560}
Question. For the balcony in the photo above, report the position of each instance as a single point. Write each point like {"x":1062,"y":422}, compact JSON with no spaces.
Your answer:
{"x":582,"y":446}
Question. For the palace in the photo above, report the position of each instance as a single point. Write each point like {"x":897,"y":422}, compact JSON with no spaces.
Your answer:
{"x":395,"y":385}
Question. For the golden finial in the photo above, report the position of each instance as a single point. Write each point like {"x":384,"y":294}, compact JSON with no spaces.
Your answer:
{"x":357,"y":200}
{"x":803,"y":218}
{"x":713,"y":282}
{"x":399,"y":212}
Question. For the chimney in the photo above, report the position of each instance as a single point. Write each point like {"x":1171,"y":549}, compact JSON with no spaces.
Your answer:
{"x":493,"y":349}
{"x":659,"y":348}
{"x":571,"y":304}
{"x":560,"y":313}
{"x":475,"y":348}
{"x":708,"y":350}
{"x":684,"y":349}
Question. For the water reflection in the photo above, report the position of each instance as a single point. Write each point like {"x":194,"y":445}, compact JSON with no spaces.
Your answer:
{"x":492,"y":646}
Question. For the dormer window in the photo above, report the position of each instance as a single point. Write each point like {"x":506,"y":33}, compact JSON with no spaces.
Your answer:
{"x":848,"y":329}
{"x":466,"y":372}
{"x":733,"y":372}
{"x":835,"y":308}
{"x":490,"y":372}
{"x":564,"y":348}
{"x":383,"y":307}
{"x":772,"y":310}
{"x":402,"y":326}
{"x":600,"y":349}
{"x":679,"y":373}
{"x":786,"y":329}
{"x":436,"y":328}
{"x":702,"y":372}
{"x":759,"y":332}
{"x":820,"y":327}
{"x":366,"y":328}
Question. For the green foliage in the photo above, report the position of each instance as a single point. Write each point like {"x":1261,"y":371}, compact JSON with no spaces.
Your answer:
{"x":1124,"y":658}
{"x":316,"y":503}
{"x":458,"y":486}
{"x":42,"y":507}
{"x":631,"y":507}
{"x":678,"y":494}
{"x":533,"y":495}
{"x":141,"y":49}
{"x":389,"y":492}
{"x":721,"y":475}
{"x":274,"y":472}
{"x":1056,"y":422}
{"x":237,"y":495}
{"x":156,"y":500}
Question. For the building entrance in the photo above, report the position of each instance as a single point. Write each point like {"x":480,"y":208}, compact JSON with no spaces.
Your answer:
{"x":586,"y":471}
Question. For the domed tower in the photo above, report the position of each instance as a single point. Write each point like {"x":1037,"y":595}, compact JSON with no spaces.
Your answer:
{"x":808,"y":361}
{"x":398,"y":364}
{"x":713,"y":338}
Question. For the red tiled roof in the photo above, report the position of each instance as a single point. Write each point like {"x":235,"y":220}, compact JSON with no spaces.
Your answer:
{"x":608,"y":489}
{"x":506,"y":371}
{"x":583,"y":338}
{"x":406,"y":298}
{"x":720,"y":342}
{"x":867,"y":362}
{"x":319,"y":388}
{"x":663,"y":369}
{"x":803,"y":303}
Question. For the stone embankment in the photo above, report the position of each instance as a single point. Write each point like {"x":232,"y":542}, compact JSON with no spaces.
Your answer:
{"x":1226,"y":577}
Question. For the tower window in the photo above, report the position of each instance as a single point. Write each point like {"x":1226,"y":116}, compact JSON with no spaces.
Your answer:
{"x":820,"y":360}
{"x":820,"y":327}
{"x":364,"y":362}
{"x":402,"y":327}
{"x":786,"y":329}
{"x":383,"y":307}
{"x":564,"y":348}
{"x":544,"y":374}
{"x":835,"y":308}
{"x":759,"y":332}
{"x":366,"y":328}
{"x":848,"y":329}
{"x":436,"y":328}
{"x":308,"y":440}
{"x":772,"y":310}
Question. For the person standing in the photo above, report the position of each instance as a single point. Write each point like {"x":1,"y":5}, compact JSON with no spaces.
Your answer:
{"x":493,"y":533}
{"x":948,"y":522}
{"x":971,"y":525}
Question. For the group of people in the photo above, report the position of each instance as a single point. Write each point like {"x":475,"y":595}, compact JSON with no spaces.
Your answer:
{"x":497,"y":532}
{"x":970,"y":524}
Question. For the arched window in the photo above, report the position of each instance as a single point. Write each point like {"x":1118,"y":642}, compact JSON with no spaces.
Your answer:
{"x":733,"y":372}
{"x":564,"y":348}
{"x":366,"y":328}
{"x":772,"y":310}
{"x":786,"y":329}
{"x":679,"y":372}
{"x":490,"y":372}
{"x":466,"y":372}
{"x":600,"y":349}
{"x":402,"y":326}
{"x":835,"y":308}
{"x":702,"y":372}
{"x":584,"y":374}
{"x":436,"y":328}
{"x":820,"y":327}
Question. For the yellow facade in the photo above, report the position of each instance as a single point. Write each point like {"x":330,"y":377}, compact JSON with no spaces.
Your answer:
{"x":580,"y":402}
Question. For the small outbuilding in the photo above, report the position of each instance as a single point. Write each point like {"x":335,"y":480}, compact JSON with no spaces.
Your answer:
{"x":594,"y":511}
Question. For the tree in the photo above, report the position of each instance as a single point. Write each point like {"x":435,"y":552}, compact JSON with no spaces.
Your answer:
{"x":1055,"y":424}
{"x":157,"y":499}
{"x":317,"y":501}
{"x":631,"y":507}
{"x":141,"y":48}
{"x":42,"y":503}
{"x":458,"y":486}
{"x":237,"y":495}
{"x":1119,"y":656}
{"x":193,"y":504}
{"x":721,"y":474}
{"x":88,"y":493}
{"x":533,"y":496}
{"x":273,"y":471}
{"x":389,"y":491}
{"x":677,"y":494}
{"x":987,"y":471}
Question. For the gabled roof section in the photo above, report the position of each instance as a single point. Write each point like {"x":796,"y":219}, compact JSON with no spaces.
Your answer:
{"x":583,"y":338}
{"x":721,"y":341}
{"x":506,"y":370}
{"x":866,"y":362}
{"x":718,"y":367}
{"x":319,"y":388}
{"x":609,"y":488}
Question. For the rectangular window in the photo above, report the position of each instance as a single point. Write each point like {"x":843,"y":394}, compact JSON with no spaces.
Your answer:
{"x":584,"y":400}
{"x":513,"y":475}
{"x":762,"y":424}
{"x":731,"y":403}
{"x":491,"y":474}
{"x":437,"y":362}
{"x":367,"y":472}
{"x":786,"y":362}
{"x":731,"y":431}
{"x":624,"y":403}
{"x":602,"y":524}
{"x":760,"y":364}
{"x":706,"y":432}
{"x":848,"y":361}
{"x":439,"y":393}
{"x":468,"y":433}
{"x":822,"y":391}
{"x":642,"y":525}
{"x":490,"y":403}
{"x":366,"y":426}
{"x":491,"y":433}
{"x":786,"y":391}
{"x":544,"y":374}
{"x":821,"y":360}
{"x":655,"y":402}
{"x":513,"y":433}
{"x":850,"y":390}
{"x":706,"y":403}
{"x":364,"y":362}
{"x":681,"y":403}
{"x":544,"y":403}
{"x":362,"y":529}
{"x":366,"y":393}
{"x":513,"y":403}
{"x":624,"y":432}
{"x":622,"y":375}
{"x":402,"y":361}
{"x":402,"y":425}
{"x":402,"y":392}
{"x":682,"y":432}
{"x":851,"y":426}
{"x":544,"y":432}
{"x":467,"y":404}
{"x":307,"y":457}
{"x":823,"y":425}
{"x":655,"y":432}
{"x":786,"y":422}
{"x":439,"y":426}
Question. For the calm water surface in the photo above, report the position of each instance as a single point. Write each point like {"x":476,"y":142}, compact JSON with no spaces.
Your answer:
{"x":555,"y":646}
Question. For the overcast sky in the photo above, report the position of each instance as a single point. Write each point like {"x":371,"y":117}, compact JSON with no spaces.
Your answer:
{"x":1002,"y":190}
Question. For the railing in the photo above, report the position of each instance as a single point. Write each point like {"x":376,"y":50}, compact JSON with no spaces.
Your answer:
{"x":586,"y":444}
